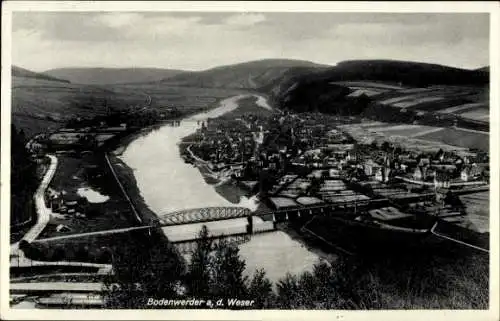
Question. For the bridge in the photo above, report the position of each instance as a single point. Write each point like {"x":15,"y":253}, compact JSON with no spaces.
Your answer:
{"x":201,"y":215}
{"x":213,"y":214}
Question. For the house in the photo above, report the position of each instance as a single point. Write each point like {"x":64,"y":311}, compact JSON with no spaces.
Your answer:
{"x":445,"y":167}
{"x":370,"y":167}
{"x":63,"y":228}
{"x":387,"y":173}
{"x":379,"y":174}
{"x":424,"y":162}
{"x":334,"y":173}
{"x":465,"y":174}
{"x":471,"y":172}
{"x":442,"y":180}
{"x":430,"y":173}
{"x":476,"y":170}
{"x":419,"y":173}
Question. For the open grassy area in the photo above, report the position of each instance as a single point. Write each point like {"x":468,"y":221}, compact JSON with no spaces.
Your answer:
{"x":186,"y":99}
{"x":401,"y":130}
{"x":460,"y":138}
{"x":39,"y":105}
{"x":482,"y":114}
{"x":89,"y":171}
{"x":426,"y":274}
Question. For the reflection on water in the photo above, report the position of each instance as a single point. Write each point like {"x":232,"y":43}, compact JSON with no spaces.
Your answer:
{"x":168,"y":184}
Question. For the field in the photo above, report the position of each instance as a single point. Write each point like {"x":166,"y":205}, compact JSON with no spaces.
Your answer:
{"x":367,"y":84}
{"x":425,"y":274}
{"x":477,"y":207}
{"x":403,"y":130}
{"x":470,"y":103}
{"x":460,"y":138}
{"x":463,"y":108}
{"x":481,"y":114}
{"x":187,"y":99}
{"x":367,"y":88}
{"x":442,"y":99}
{"x":40,"y":105}
{"x":417,"y":137}
{"x":75,"y":174}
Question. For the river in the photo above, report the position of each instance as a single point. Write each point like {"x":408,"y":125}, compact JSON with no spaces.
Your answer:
{"x":167,"y":184}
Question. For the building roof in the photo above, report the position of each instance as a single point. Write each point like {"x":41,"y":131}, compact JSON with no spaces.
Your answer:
{"x":388,"y":213}
{"x":282,"y":202}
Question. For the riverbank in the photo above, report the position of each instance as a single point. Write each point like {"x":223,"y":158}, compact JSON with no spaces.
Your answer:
{"x":167,"y":140}
{"x":159,"y":177}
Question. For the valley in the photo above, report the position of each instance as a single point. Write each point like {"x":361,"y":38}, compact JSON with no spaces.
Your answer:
{"x":363,"y":148}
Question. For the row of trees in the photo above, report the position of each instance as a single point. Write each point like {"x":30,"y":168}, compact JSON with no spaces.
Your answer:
{"x":418,"y":277}
{"x":216,"y":271}
{"x":23,"y":178}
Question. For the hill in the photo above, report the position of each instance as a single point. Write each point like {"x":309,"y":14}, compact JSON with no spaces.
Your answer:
{"x":25,"y":73}
{"x":46,"y":103}
{"x":105,"y":76}
{"x":317,"y":90}
{"x":248,"y":75}
{"x":408,"y":73}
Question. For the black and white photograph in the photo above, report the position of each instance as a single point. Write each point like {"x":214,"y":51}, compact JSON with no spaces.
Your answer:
{"x":238,"y":160}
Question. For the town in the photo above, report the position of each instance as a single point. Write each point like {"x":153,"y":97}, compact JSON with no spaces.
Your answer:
{"x":297,"y":160}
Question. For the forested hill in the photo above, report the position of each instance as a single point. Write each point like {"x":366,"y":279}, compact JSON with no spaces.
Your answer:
{"x":307,"y":90}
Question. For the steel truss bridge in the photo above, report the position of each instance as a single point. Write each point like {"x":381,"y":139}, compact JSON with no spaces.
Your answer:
{"x":211,"y":214}
{"x":200,"y":215}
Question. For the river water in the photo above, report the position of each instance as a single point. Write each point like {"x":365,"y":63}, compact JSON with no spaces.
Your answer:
{"x":168,"y":184}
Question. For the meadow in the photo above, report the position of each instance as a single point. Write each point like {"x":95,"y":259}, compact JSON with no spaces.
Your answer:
{"x":41,"y":105}
{"x":460,"y":138}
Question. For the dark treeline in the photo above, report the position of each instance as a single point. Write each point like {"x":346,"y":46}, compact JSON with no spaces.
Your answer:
{"x":23,"y":179}
{"x":430,"y":276}
{"x":408,"y":73}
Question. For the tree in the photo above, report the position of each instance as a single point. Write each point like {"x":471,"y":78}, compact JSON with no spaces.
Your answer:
{"x":260,"y":289}
{"x":198,"y":278}
{"x":288,"y":291}
{"x":385,"y":146}
{"x":23,"y":179}
{"x":147,"y":267}
{"x":227,"y":272}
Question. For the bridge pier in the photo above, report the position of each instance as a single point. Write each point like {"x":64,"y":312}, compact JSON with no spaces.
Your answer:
{"x":250,"y":224}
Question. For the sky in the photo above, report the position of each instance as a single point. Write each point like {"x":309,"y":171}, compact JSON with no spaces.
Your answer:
{"x":202,"y":40}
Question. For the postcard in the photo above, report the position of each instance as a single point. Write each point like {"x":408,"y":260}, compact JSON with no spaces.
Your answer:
{"x":250,"y":160}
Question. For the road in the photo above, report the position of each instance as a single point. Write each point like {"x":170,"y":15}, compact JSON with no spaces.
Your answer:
{"x":23,"y":262}
{"x":132,"y":206}
{"x":55,"y":287}
{"x":418,"y":182}
{"x":430,"y":131}
{"x":104,"y":232}
{"x":43,"y":212}
{"x":472,"y":131}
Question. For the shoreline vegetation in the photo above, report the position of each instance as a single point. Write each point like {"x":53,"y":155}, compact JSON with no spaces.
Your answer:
{"x":426,"y":276}
{"x":359,"y":282}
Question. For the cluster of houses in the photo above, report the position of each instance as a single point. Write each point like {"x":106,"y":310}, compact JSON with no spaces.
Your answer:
{"x":71,"y":138}
{"x":293,"y":142}
{"x":67,"y":204}
{"x":224,"y":143}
